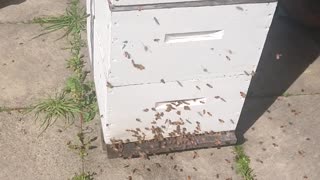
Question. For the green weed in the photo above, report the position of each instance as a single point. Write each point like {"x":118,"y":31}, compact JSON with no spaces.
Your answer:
{"x":79,"y":95}
{"x":83,"y":176}
{"x":58,"y":107}
{"x":243,"y":163}
{"x":84,"y":146}
{"x":73,"y":22}
{"x":287,"y":95}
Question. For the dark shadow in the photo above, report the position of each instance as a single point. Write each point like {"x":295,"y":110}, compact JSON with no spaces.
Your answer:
{"x":298,"y":49}
{"x":4,"y":3}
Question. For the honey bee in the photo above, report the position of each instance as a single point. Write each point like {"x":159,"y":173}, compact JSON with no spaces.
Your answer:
{"x":156,"y":20}
{"x":109,"y":85}
{"x":127,"y":55}
{"x":162,"y":81}
{"x":137,"y":119}
{"x":259,"y":160}
{"x":180,"y":84}
{"x":195,"y":155}
{"x":138,"y":66}
{"x":209,"y":85}
{"x":146,"y":48}
{"x":158,"y":165}
{"x":198,"y":87}
{"x":134,"y":170}
{"x":243,"y":94}
{"x":187,"y":108}
{"x":220,"y":120}
{"x":239,"y":8}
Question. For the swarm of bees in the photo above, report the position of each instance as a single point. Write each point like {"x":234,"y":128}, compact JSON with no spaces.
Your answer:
{"x":164,"y":136}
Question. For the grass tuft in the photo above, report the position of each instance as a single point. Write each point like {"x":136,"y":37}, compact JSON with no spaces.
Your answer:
{"x":73,"y":21}
{"x":243,"y":163}
{"x":83,"y":176}
{"x":78,"y":97}
{"x":58,"y":107}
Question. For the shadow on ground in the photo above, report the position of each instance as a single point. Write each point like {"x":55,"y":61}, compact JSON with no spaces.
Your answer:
{"x":4,"y":3}
{"x":296,"y":48}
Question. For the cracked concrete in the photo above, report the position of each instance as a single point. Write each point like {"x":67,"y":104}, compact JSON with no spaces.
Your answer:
{"x":281,"y":132}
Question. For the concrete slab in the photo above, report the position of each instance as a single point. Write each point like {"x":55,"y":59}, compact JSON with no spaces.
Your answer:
{"x":25,"y":10}
{"x":30,"y":69}
{"x":283,"y":143}
{"x":25,"y":156}
{"x":297,"y":68}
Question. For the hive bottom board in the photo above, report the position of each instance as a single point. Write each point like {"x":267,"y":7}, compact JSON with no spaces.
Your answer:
{"x":170,"y":144}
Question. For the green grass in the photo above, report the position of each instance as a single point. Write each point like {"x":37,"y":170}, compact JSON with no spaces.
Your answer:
{"x":83,"y":176}
{"x":243,"y":163}
{"x":58,"y":107}
{"x":287,"y":95}
{"x":78,"y":98}
{"x":73,"y":21}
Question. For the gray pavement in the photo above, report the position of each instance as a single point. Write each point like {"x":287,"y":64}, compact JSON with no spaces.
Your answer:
{"x":281,"y":133}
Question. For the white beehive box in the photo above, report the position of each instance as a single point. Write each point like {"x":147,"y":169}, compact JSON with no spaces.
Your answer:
{"x":170,"y":63}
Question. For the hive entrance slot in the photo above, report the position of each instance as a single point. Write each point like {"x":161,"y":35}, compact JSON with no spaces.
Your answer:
{"x":181,"y":103}
{"x":194,"y":36}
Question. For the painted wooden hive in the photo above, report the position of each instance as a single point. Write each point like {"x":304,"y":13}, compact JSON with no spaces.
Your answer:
{"x":173,"y":74}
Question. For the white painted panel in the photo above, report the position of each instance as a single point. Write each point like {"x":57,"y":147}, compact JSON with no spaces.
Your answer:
{"x":143,"y":2}
{"x":101,"y":55}
{"x":100,"y":81}
{"x":237,"y":50}
{"x":128,"y":103}
{"x":89,"y":5}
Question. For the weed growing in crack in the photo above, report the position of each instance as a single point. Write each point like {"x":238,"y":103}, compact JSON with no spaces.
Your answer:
{"x":73,"y":21}
{"x":78,"y":89}
{"x":58,"y":107}
{"x":84,"y":146}
{"x":243,"y":163}
{"x":84,"y":176}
